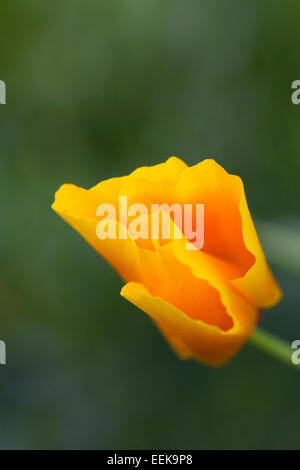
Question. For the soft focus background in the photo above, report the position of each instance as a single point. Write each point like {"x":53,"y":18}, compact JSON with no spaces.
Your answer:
{"x":95,"y":89}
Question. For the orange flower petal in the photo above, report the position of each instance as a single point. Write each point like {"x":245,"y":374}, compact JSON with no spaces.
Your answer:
{"x":204,"y":302}
{"x":168,"y":172}
{"x":258,"y":284}
{"x":78,"y":208}
{"x":209,"y":184}
{"x":194,"y":338}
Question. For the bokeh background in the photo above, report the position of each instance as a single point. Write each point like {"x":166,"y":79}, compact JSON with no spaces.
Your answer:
{"x":95,"y":89}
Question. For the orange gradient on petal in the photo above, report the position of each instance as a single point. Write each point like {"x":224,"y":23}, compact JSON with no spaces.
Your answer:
{"x":205,"y":302}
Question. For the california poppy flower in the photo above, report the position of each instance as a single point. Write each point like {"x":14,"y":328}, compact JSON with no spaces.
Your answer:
{"x":204,"y":301}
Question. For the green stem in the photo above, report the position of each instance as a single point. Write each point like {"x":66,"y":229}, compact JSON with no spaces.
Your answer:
{"x":274,"y":346}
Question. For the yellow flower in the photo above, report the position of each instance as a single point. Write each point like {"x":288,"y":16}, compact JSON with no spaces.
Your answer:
{"x":205,"y":302}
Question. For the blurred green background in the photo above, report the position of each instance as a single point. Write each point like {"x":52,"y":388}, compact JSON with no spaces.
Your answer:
{"x":94,"y":90}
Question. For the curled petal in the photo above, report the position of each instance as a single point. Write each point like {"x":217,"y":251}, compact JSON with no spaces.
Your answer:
{"x":258,"y":284}
{"x":194,"y":338}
